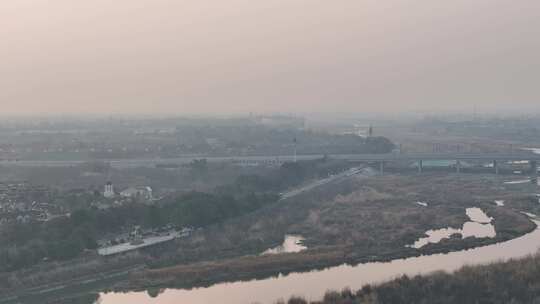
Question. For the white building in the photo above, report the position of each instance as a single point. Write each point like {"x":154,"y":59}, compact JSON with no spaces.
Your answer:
{"x":139,"y":192}
{"x":109,"y":190}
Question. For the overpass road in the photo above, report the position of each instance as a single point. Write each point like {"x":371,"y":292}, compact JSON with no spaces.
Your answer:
{"x":442,"y":156}
{"x":390,"y":157}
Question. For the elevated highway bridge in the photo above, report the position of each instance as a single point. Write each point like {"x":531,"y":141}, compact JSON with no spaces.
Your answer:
{"x":441,"y":156}
{"x":495,"y":158}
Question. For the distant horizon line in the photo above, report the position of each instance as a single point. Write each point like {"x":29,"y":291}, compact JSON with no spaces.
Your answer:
{"x":474,"y":109}
{"x":232,"y":115}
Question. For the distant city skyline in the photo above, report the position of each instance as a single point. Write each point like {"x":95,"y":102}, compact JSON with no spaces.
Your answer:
{"x":164,"y":57}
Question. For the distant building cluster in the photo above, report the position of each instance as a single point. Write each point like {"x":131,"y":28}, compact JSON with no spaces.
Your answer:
{"x":144,"y":193}
{"x":280,"y":121}
{"x":141,"y":193}
{"x":22,"y":202}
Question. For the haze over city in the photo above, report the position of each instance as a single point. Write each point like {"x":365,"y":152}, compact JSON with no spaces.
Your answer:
{"x":240,"y":56}
{"x":269,"y":151}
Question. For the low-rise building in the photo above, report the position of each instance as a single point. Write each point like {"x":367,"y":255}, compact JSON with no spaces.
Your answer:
{"x":109,"y":190}
{"x":144,"y":193}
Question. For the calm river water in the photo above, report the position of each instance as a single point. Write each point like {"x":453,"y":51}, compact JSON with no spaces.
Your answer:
{"x":313,"y":284}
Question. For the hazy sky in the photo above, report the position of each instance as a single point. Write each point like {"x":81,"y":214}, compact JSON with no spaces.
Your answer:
{"x":180,"y":56}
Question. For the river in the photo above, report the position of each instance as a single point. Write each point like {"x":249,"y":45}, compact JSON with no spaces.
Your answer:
{"x":313,"y":285}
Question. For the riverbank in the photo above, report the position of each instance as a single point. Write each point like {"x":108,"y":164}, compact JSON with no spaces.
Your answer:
{"x":254,"y":267}
{"x":313,"y":285}
{"x":514,"y":281}
{"x":363,"y":221}
{"x":355,"y":221}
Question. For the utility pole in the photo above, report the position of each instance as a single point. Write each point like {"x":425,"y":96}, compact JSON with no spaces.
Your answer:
{"x":295,"y":149}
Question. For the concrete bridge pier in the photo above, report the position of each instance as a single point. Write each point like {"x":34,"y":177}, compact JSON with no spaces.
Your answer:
{"x":458,"y":166}
{"x":496,"y":166}
{"x":381,"y":167}
{"x":420,"y":166}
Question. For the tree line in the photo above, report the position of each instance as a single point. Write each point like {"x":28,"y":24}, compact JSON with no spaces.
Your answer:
{"x":23,"y":245}
{"x":26,"y":244}
{"x":514,"y":282}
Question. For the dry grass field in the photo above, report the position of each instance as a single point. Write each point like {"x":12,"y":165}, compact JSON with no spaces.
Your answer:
{"x":353,"y":221}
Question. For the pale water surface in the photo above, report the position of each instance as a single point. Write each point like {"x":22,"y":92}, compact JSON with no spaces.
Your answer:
{"x":479,"y":226}
{"x":314,"y":284}
{"x":477,"y":215}
{"x":533,"y":150}
{"x":515,"y":182}
{"x":292,"y":243}
{"x":499,"y":203}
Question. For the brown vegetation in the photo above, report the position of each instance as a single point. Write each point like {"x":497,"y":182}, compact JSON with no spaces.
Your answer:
{"x":354,"y":221}
{"x":515,"y":282}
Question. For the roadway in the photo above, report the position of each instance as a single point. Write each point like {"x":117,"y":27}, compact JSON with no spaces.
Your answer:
{"x":442,"y":156}
{"x":364,"y":171}
{"x":152,"y":162}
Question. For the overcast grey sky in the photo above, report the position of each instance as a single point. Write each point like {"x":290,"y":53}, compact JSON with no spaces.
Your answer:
{"x":238,"y":56}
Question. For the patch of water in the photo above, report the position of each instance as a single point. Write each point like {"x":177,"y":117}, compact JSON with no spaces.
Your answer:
{"x":499,"y":203}
{"x":533,"y":150}
{"x":292,"y":243}
{"x":314,"y":284}
{"x":435,"y":236}
{"x":479,"y":226}
{"x":521,"y":181}
{"x":519,"y":162}
{"x":478,"y":230}
{"x":531,"y":215}
{"x":476,"y":214}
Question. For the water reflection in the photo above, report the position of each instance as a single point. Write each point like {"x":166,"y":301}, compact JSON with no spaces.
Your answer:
{"x":499,"y":203}
{"x":478,"y":230}
{"x":515,"y":182}
{"x":533,"y":150}
{"x":477,"y":215}
{"x":523,"y":181}
{"x":479,"y":226}
{"x":529,"y":214}
{"x":313,"y":284}
{"x":155,"y":292}
{"x":435,"y":236}
{"x":292,"y":243}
